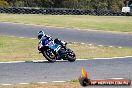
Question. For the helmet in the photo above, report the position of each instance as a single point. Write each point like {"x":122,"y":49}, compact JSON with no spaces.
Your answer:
{"x":40,"y":34}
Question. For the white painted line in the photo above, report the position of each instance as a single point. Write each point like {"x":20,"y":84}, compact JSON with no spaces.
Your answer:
{"x":116,"y":78}
{"x":24,"y":83}
{"x":103,"y":58}
{"x":82,"y":43}
{"x":37,"y":61}
{"x":36,"y":82}
{"x":90,"y":44}
{"x":120,"y":47}
{"x":13,"y":62}
{"x":100,"y":45}
{"x":82,"y":59}
{"x":58,"y":81}
{"x":6,"y":84}
{"x":64,"y":60}
{"x":56,"y":60}
{"x":46,"y":60}
{"x":128,"y":56}
{"x":42,"y":82}
{"x":118,"y":57}
{"x":110,"y":46}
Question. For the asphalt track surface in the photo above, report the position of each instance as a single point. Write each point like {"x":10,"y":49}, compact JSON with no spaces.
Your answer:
{"x":71,"y":35}
{"x":28,"y":72}
{"x":63,"y":71}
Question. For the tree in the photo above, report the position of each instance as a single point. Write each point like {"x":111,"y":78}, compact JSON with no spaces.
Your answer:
{"x":3,"y":3}
{"x":57,"y":3}
{"x":45,"y":3}
{"x":116,"y":5}
{"x":73,"y":4}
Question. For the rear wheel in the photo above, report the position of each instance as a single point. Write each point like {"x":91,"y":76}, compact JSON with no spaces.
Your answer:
{"x":49,"y":55}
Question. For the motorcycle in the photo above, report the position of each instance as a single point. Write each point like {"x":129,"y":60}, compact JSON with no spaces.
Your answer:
{"x":53,"y":51}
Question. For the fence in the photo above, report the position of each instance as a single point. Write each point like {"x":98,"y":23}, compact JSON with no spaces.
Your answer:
{"x":57,"y":11}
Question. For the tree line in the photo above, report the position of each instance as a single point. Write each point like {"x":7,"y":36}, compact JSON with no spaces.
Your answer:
{"x":115,"y":5}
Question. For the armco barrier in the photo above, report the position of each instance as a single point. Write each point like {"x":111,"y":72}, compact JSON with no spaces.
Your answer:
{"x":59,"y":11}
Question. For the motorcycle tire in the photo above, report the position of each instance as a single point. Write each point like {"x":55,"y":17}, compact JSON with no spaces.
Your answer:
{"x":48,"y":57}
{"x":71,"y":58}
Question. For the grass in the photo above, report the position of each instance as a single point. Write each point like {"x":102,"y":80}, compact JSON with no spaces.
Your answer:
{"x":105,"y":23}
{"x":47,"y":85}
{"x":15,"y":49}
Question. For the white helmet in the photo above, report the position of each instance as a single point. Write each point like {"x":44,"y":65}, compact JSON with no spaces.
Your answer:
{"x":41,"y":34}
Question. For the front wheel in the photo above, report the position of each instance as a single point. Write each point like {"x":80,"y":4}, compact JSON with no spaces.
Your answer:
{"x":71,"y":56}
{"x":49,"y":55}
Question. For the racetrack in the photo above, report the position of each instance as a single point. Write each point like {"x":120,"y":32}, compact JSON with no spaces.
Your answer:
{"x":28,"y":72}
{"x":94,"y":37}
{"x":64,"y":71}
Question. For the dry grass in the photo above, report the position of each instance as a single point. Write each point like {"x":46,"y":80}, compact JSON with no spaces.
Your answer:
{"x":14,"y":49}
{"x":93,"y":51}
{"x":106,"y":23}
{"x":48,"y":85}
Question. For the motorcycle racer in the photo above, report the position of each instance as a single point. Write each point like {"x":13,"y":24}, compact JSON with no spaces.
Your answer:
{"x":54,"y":50}
{"x":42,"y":35}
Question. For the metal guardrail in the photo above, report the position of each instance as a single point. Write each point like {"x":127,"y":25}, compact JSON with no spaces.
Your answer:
{"x":58,"y":11}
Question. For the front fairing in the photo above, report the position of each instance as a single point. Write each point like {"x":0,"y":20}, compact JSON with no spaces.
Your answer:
{"x":48,"y":43}
{"x":55,"y":47}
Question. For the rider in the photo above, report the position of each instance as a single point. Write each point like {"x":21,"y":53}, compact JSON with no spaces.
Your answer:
{"x":42,"y":35}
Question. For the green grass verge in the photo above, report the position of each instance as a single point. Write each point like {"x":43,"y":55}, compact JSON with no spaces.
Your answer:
{"x":105,"y":23}
{"x":15,"y":49}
